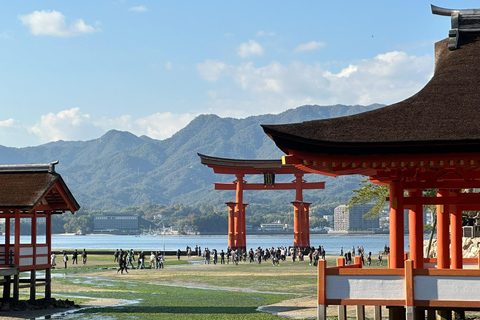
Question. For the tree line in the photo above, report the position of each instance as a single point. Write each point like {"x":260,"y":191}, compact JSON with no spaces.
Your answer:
{"x":204,"y":218}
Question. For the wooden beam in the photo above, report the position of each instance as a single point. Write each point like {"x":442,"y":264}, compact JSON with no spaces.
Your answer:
{"x":460,"y":199}
{"x":276,"y":186}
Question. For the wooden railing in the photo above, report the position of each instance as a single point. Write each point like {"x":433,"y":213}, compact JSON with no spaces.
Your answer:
{"x":407,"y":287}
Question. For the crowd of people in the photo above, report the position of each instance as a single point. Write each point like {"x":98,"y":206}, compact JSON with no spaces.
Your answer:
{"x":128,"y":259}
{"x":65,"y":259}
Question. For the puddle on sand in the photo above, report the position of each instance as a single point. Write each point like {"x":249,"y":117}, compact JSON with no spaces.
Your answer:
{"x":74,"y":313}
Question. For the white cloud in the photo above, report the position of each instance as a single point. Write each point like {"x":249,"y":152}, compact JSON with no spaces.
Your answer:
{"x":386,"y":78}
{"x":310,"y":46}
{"x":138,"y":9}
{"x":250,"y":48}
{"x":66,"y":125}
{"x":72,"y":124}
{"x":52,"y":23}
{"x":168,"y":65}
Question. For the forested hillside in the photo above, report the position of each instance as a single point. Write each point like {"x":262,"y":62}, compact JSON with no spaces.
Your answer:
{"x":120,"y":170}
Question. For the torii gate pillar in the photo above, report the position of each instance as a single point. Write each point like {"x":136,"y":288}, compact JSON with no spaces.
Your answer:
{"x":239,"y":217}
{"x":301,"y":220}
{"x":231,"y":224}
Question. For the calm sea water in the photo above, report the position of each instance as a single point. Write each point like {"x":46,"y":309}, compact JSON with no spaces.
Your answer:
{"x":331,"y":243}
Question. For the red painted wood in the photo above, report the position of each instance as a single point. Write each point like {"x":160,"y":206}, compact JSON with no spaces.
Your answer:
{"x":277,"y":186}
{"x":443,"y":234}
{"x":415,"y":221}
{"x":396,"y":226}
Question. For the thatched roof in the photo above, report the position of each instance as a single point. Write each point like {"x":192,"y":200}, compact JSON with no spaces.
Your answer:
{"x":444,"y":117}
{"x":27,"y":186}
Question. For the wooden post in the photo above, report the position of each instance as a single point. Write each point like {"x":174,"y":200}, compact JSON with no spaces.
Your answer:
{"x":377,"y":313}
{"x":419,"y":313}
{"x":396,"y":313}
{"x":444,"y":314}
{"x":48,"y":283}
{"x":431,"y":314}
{"x":321,"y":292}
{"x":396,"y":225}
{"x":360,"y":312}
{"x":16,"y":287}
{"x":342,"y":312}
{"x":6,"y":287}
{"x":456,"y":251}
{"x":299,"y":213}
{"x":231,"y":223}
{"x":443,"y":233}
{"x":358,"y":261}
{"x":17,"y":239}
{"x":415,"y":221}
{"x":297,"y":241}
{"x":33,"y":281}
{"x":239,"y":210}
{"x":409,"y":292}
{"x":33,"y":238}
{"x":306,"y":226}
{"x":340,"y":262}
{"x":48,"y":235}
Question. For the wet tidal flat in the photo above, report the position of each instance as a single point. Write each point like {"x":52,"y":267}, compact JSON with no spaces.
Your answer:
{"x":183,"y":289}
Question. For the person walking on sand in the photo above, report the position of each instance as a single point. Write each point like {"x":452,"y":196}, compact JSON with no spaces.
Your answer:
{"x":65,"y":258}
{"x":75,"y":257}
{"x":53,"y":257}
{"x":122,"y":264}
{"x":84,"y":257}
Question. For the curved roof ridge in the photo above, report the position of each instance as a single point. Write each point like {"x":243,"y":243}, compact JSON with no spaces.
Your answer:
{"x":39,"y":167}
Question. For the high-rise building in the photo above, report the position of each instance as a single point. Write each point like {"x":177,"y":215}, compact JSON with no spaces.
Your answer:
{"x":352,"y":219}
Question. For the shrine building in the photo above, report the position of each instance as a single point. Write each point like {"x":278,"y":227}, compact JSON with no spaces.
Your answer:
{"x":428,"y":141}
{"x":29,"y":195}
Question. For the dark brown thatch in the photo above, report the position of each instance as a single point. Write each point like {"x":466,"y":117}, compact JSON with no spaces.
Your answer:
{"x":24,"y":187}
{"x":24,"y":190}
{"x":442,"y":118}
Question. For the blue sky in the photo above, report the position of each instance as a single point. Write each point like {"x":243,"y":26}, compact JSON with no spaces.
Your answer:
{"x":72,"y":70}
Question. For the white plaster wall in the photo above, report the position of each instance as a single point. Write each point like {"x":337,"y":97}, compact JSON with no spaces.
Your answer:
{"x":42,"y":260}
{"x":26,"y":251}
{"x":447,"y":288}
{"x":365,"y":287}
{"x":26,"y":261}
{"x":42,"y":250}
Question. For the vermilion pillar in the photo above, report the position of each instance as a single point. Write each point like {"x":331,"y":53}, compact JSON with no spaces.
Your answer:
{"x":456,"y":232}
{"x":415,"y":223}
{"x":396,"y":225}
{"x":242,"y":236}
{"x":300,"y":221}
{"x":306,"y":212}
{"x":443,"y":236}
{"x":240,"y":213}
{"x":297,"y":223}
{"x":231,"y":224}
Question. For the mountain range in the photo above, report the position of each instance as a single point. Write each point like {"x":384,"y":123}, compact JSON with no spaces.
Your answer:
{"x":120,"y":169}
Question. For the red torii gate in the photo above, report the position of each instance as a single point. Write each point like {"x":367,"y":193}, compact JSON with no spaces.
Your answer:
{"x":268,"y":168}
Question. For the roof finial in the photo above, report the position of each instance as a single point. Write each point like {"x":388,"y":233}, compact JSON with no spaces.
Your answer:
{"x":51,"y":168}
{"x":463,"y":20}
